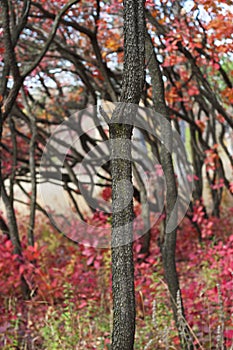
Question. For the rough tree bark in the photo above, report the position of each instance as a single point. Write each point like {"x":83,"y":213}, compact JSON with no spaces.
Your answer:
{"x":121,"y":168}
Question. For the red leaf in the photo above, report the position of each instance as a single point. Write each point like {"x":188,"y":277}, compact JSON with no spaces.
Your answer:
{"x":82,"y":305}
{"x":229,"y":333}
{"x":90,"y":260}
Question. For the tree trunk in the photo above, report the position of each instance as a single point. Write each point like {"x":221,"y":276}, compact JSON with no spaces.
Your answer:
{"x":122,"y":194}
{"x":168,"y":237}
{"x":145,"y":239}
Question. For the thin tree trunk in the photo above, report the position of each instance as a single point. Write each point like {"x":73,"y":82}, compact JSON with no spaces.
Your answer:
{"x":145,"y":240}
{"x":168,"y":237}
{"x":32,"y":167}
{"x":120,"y":138}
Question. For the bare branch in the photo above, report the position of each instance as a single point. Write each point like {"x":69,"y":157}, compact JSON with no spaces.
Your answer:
{"x":50,"y":37}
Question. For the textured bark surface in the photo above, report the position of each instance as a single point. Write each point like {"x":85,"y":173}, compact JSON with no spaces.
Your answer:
{"x":121,"y":168}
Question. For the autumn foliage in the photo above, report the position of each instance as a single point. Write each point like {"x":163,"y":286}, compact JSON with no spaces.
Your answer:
{"x":62,"y":274}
